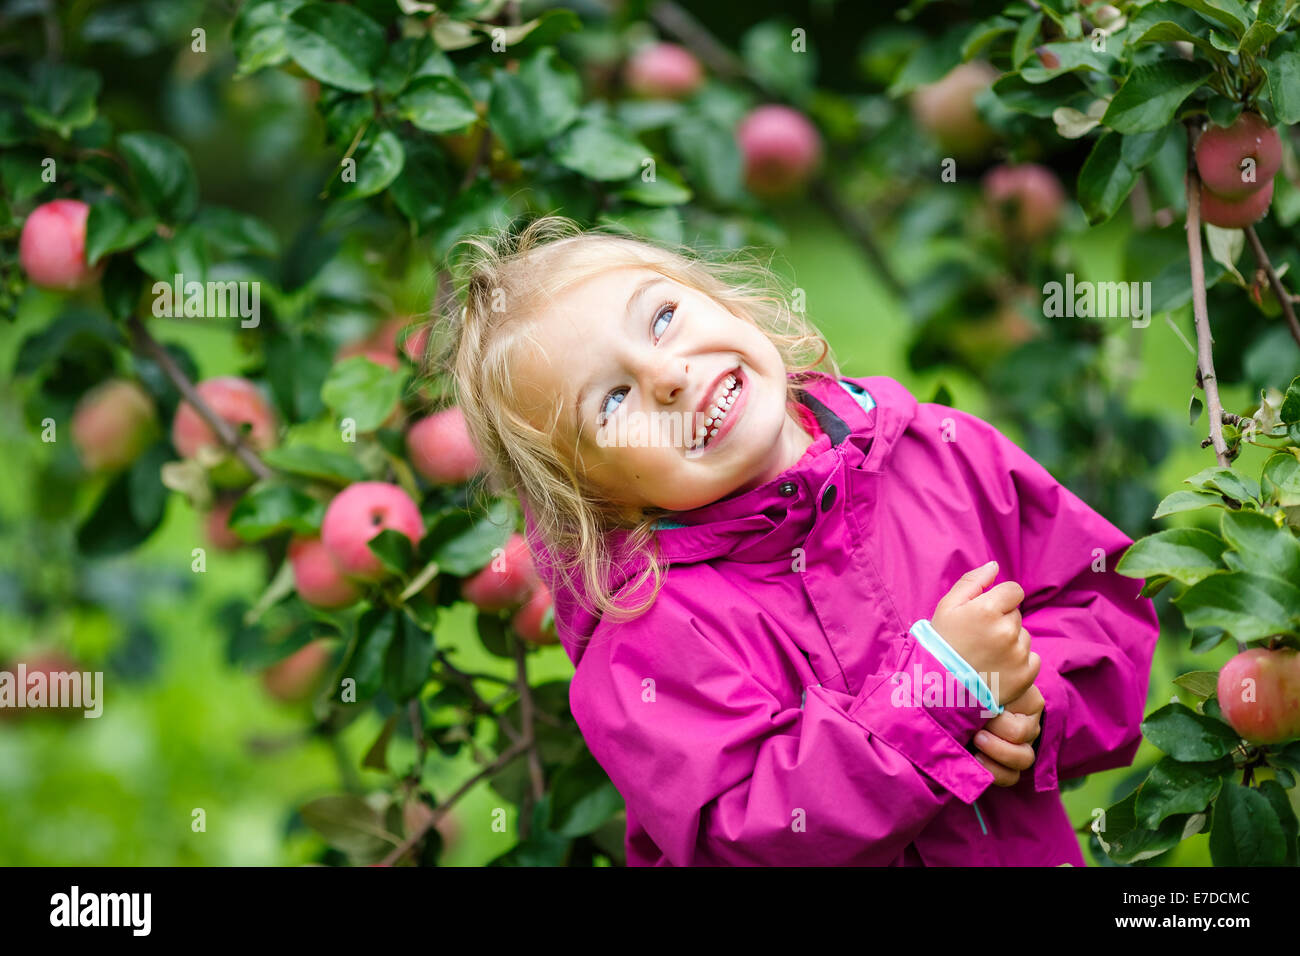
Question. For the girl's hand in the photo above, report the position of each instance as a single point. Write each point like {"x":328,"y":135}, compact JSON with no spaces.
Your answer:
{"x":1006,"y":740}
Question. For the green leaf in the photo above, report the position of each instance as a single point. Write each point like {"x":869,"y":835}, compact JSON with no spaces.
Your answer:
{"x":368,"y":650}
{"x":584,"y":798}
{"x":409,"y":59}
{"x":144,"y":484}
{"x":1187,"y":736}
{"x":112,"y":527}
{"x":1246,"y":829}
{"x":1176,"y":787}
{"x":555,"y":86}
{"x":1264,"y":547}
{"x":1151,"y":95}
{"x":347,"y":823}
{"x":464,"y":544}
{"x":62,"y":97}
{"x":237,"y":233}
{"x":1074,"y":56}
{"x":1283,"y":72}
{"x":1178,"y":501}
{"x":1289,"y":411}
{"x":666,"y":188}
{"x":1280,"y":483}
{"x":410,"y":656}
{"x":1105,"y":179}
{"x":110,"y":228}
{"x":1231,"y":13}
{"x":1173,"y":23}
{"x":711,"y":156}
{"x":424,"y":185}
{"x":1200,"y":683}
{"x":1026,"y":34}
{"x":1247,"y":605}
{"x":362,"y":390}
{"x":1126,"y":842}
{"x":601,"y":150}
{"x":336,"y":44}
{"x":768,"y":50}
{"x":379,"y":158}
{"x":1185,"y":554}
{"x":316,"y":463}
{"x":272,"y":508}
{"x":437,"y":104}
{"x":393,"y":549}
{"x":258,"y":34}
{"x":163,"y":172}
{"x":1227,"y":482}
{"x":1037,"y":99}
{"x":185,"y":253}
{"x":297,"y":364}
{"x":1277,"y":798}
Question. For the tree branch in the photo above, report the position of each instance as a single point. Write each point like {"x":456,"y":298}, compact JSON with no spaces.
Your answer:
{"x":147,"y":345}
{"x":1283,"y":297}
{"x":527,"y":715}
{"x":1204,"y":341}
{"x":443,"y":808}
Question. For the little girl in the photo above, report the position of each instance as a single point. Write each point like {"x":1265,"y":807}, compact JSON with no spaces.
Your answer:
{"x":771,"y":578}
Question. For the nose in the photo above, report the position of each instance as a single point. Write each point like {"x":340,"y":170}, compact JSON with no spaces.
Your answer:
{"x":669,"y":377}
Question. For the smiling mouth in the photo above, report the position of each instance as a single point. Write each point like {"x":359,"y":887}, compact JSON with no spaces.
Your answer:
{"x":716,"y":411}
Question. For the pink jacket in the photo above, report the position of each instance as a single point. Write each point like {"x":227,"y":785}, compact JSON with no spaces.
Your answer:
{"x":755,"y":715}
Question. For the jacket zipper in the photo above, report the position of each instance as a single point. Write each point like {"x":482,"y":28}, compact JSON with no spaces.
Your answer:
{"x":983,"y":828}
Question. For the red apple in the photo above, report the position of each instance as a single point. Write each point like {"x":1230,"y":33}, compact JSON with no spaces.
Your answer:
{"x":782,"y":150}
{"x":1025,"y":200}
{"x":292,"y":679}
{"x":1221,"y":150}
{"x":1259,"y":694}
{"x":358,"y":513}
{"x":218,"y":524}
{"x":440,"y":449}
{"x":527,"y":621}
{"x":371,"y":350}
{"x":315,"y":576}
{"x":50,"y":663}
{"x":52,"y":248}
{"x":112,"y":424}
{"x":946,"y":109}
{"x":506,"y":582}
{"x":237,"y":401}
{"x":1235,"y":213}
{"x":663,"y":70}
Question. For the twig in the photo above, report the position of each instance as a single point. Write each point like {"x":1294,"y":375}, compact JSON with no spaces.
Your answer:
{"x":417,"y":731}
{"x":1204,"y":341}
{"x":854,"y":223}
{"x":671,"y":18}
{"x":146,"y":343}
{"x":477,"y":703}
{"x":1274,"y":282}
{"x":526,"y":717}
{"x":442,"y":809}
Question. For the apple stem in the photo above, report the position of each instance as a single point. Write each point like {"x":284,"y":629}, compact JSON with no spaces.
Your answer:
{"x":1279,"y":291}
{"x":150,"y":347}
{"x":1204,"y":340}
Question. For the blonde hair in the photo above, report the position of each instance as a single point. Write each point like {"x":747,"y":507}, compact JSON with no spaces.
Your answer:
{"x":477,"y":343}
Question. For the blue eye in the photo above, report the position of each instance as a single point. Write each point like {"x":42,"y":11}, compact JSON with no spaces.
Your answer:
{"x":667,"y":309}
{"x":604,"y":414}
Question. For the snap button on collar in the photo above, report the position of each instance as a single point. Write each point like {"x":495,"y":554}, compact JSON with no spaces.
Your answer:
{"x":788,"y":489}
{"x":828,"y":498}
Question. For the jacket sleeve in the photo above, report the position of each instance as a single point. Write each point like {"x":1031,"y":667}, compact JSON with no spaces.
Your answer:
{"x":719,"y":771}
{"x":1093,"y":631}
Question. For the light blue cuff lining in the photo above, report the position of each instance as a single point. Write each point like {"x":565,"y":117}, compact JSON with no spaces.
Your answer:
{"x":929,"y":638}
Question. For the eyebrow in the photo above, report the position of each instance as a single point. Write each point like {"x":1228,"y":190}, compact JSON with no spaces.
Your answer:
{"x":633,"y":300}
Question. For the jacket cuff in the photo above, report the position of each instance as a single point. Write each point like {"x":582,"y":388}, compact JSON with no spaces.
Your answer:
{"x":956,"y":665}
{"x":922,"y":712}
{"x":1051,"y":725}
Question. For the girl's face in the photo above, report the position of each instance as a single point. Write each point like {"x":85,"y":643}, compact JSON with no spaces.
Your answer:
{"x":641,"y":366}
